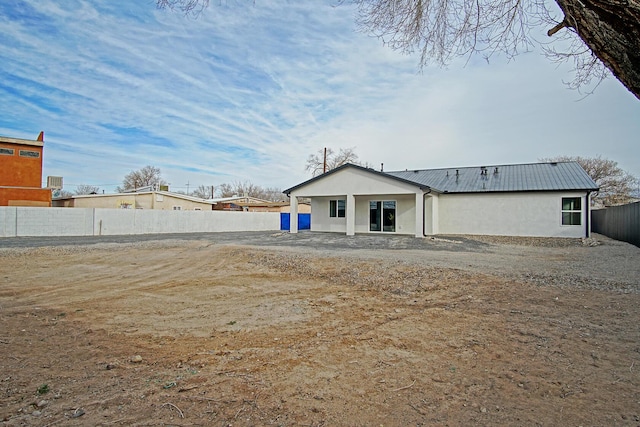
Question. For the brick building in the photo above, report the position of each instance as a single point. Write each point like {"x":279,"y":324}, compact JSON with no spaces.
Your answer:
{"x":21,"y":172}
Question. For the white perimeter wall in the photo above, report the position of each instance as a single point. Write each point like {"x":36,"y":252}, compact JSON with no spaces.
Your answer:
{"x":515,"y":214}
{"x":25,"y":221}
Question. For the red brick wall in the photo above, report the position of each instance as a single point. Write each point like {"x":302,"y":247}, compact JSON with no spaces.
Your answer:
{"x":20,"y":171}
{"x":25,"y":197}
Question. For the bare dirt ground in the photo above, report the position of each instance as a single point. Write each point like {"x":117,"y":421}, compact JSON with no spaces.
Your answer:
{"x":204,"y":333}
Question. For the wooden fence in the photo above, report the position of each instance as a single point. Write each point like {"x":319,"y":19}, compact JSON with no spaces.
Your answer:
{"x":618,"y":222}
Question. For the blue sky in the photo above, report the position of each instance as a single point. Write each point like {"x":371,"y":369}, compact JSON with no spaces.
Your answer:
{"x":249,"y":89}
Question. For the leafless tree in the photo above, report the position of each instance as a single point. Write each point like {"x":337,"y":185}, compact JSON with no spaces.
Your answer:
{"x":604,"y":34}
{"x":86,"y":189}
{"x":246,"y":188}
{"x":616,"y":185}
{"x":204,"y":192}
{"x":316,"y":162}
{"x":148,"y":175}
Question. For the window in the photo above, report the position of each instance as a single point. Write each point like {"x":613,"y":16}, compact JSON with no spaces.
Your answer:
{"x":29,"y":153}
{"x":382,"y":215}
{"x":7,"y":151}
{"x":337,"y":208}
{"x":571,"y":210}
{"x":177,"y":208}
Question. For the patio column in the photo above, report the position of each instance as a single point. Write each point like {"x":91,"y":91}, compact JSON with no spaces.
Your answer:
{"x":419,"y":214}
{"x":293,"y":214}
{"x":351,"y":215}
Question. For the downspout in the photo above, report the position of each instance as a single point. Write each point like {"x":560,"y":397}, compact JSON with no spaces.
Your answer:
{"x":588,"y":215}
{"x":424,"y":213}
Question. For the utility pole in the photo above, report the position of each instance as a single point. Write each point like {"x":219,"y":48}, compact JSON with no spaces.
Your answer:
{"x":187,"y":188}
{"x":324,"y":165}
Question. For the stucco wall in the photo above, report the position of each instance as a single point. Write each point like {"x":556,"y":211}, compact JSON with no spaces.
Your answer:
{"x":320,"y":220}
{"x":516,"y":214}
{"x":135,"y":200}
{"x":18,"y":170}
{"x":353,"y":181}
{"x":25,"y":197}
{"x":405,"y":212}
{"x":23,"y":221}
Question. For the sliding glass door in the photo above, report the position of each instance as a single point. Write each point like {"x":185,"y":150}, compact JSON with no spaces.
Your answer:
{"x":382,"y":215}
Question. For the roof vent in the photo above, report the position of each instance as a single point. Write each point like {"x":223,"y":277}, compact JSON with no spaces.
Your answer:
{"x":495,"y":171}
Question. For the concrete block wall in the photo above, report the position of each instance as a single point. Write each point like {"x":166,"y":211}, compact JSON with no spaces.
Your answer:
{"x":25,"y":221}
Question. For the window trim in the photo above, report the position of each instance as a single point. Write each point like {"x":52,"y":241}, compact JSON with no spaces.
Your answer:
{"x":336,"y":210}
{"x":382,"y":209}
{"x":29,"y":153}
{"x":571,"y":212}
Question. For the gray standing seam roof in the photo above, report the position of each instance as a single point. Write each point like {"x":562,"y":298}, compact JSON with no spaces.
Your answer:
{"x":553,"y":176}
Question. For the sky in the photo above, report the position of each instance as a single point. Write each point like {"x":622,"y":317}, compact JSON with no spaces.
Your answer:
{"x":249,"y":89}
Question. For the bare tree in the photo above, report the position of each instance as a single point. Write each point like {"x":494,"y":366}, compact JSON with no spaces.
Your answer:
{"x":148,"y":175}
{"x":616,"y":186}
{"x":204,"y":192}
{"x":316,"y":162}
{"x":605,"y":33}
{"x":86,"y":189}
{"x":246,"y":188}
{"x":608,"y":32}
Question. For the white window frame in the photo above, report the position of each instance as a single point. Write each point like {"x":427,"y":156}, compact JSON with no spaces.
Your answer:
{"x":337,"y":212}
{"x":572,"y":212}
{"x":382,"y":201}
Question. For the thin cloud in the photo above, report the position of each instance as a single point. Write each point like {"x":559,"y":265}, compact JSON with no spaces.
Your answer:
{"x":247,"y":92}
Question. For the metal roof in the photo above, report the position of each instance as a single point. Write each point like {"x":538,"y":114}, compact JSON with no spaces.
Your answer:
{"x":552,"y":176}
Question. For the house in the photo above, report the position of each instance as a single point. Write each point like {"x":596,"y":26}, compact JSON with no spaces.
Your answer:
{"x":21,"y":172}
{"x":254,"y":204}
{"x":538,"y":199}
{"x":161,"y":200}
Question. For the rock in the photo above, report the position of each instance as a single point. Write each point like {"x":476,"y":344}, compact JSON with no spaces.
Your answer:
{"x":136,"y":359}
{"x":42,"y":404}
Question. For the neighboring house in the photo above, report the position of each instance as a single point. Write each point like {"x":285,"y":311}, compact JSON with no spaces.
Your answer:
{"x":254,"y":204}
{"x":21,"y":172}
{"x":539,"y":199}
{"x":236,"y":203}
{"x":161,"y":200}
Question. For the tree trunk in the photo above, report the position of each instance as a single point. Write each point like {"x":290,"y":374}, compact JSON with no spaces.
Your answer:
{"x":611,"y":29}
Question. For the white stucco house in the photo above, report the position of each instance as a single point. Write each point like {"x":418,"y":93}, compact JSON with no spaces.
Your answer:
{"x":538,"y":199}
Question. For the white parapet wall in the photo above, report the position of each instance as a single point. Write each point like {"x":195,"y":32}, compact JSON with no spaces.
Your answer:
{"x":26,"y":221}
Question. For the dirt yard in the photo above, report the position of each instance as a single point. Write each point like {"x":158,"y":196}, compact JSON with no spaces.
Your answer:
{"x":199,"y":333}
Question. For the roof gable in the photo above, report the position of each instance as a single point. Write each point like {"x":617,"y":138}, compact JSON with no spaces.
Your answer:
{"x":356,"y":167}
